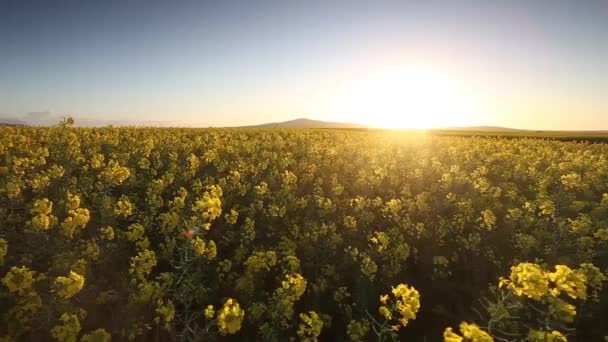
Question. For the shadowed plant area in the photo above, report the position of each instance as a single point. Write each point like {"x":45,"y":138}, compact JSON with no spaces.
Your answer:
{"x":175,"y":234}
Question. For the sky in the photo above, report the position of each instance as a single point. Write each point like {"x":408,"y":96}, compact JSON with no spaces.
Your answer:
{"x":535,"y":64}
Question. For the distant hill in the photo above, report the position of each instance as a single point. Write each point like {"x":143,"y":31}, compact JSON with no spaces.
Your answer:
{"x":9,"y":121}
{"x":487,"y":128}
{"x":307,"y":123}
{"x":518,"y":130}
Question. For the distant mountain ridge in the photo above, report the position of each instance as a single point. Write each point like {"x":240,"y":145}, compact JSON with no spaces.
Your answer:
{"x":47,"y":118}
{"x":488,"y":128}
{"x":307,"y":123}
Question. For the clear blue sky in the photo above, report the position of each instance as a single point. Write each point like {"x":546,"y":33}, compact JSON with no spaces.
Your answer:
{"x":520,"y":63}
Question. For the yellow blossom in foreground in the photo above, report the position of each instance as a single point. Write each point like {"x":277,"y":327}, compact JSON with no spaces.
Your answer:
{"x":230,"y":317}
{"x":407,"y":302}
{"x":451,"y":336}
{"x":526,"y":279}
{"x":573,"y":283}
{"x":470,"y":332}
{"x":545,"y":336}
{"x":385,"y":312}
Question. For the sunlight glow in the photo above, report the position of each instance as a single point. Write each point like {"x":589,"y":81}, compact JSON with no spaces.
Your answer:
{"x":407,"y":97}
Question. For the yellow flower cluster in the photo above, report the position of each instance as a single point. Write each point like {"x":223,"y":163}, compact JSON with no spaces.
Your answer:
{"x":68,"y":330}
{"x":571,"y":181}
{"x":67,"y":287}
{"x":469,"y":332}
{"x":488,"y":219}
{"x":528,"y":280}
{"x":3,"y":250}
{"x":406,"y":303}
{"x":72,"y":202}
{"x":77,"y":217}
{"x":310,"y":327}
{"x":41,"y":210}
{"x":193,"y":164}
{"x":123,"y":207}
{"x":201,"y":248}
{"x":259,"y":261}
{"x":232,"y":216}
{"x":141,"y":265}
{"x":165,"y":311}
{"x":230,"y":317}
{"x":262,"y":189}
{"x":19,"y":280}
{"x":209,"y":207}
{"x":135,"y":232}
{"x":96,"y":161}
{"x":114,"y":174}
{"x":546,"y":336}
{"x":295,"y":285}
{"x":532,"y":281}
{"x":99,"y":335}
{"x":209,"y":312}
{"x":357,"y":330}
{"x":565,"y":280}
{"x":107,"y":233}
{"x":380,"y":240}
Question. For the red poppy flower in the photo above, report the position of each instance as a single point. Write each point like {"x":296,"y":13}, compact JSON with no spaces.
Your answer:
{"x":188,"y":234}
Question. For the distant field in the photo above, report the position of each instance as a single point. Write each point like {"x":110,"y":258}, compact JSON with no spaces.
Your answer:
{"x":559,"y":135}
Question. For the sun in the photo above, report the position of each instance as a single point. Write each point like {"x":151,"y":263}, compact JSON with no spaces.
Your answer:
{"x":406,"y":97}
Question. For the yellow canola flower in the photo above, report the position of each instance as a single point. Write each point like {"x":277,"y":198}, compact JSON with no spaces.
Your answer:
{"x":450,"y":336}
{"x":42,"y":207}
{"x":573,"y":283}
{"x":310,"y":327}
{"x":198,"y":245}
{"x":407,"y":302}
{"x":230,"y":317}
{"x":3,"y":250}
{"x":385,"y":312}
{"x":528,"y":280}
{"x":41,"y":210}
{"x":357,"y":330}
{"x":73,"y":202}
{"x":124,"y":207}
{"x":68,"y":330}
{"x":470,"y":332}
{"x":209,"y":312}
{"x":107,"y":233}
{"x":114,"y":174}
{"x":474,"y":333}
{"x":19,"y":279}
{"x":545,"y":336}
{"x":78,"y":218}
{"x":295,"y":284}
{"x":67,"y":287}
{"x":99,"y":335}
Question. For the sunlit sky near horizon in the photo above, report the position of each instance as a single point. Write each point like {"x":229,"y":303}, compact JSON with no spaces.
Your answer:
{"x":525,"y":64}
